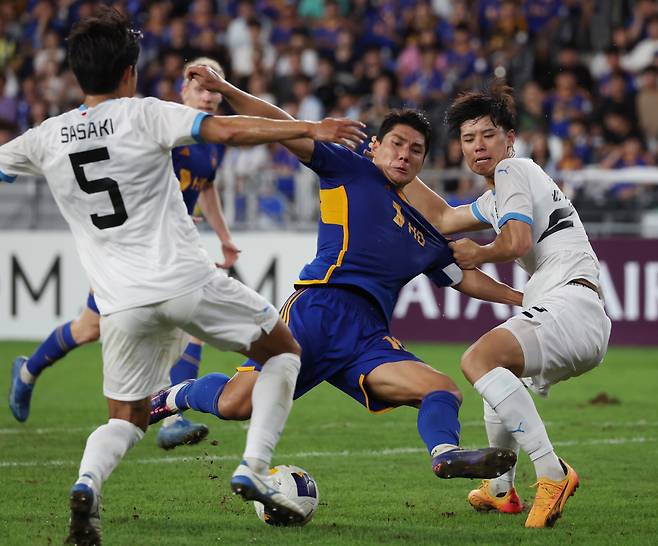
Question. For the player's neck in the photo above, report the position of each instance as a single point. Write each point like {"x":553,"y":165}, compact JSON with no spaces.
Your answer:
{"x":94,"y":100}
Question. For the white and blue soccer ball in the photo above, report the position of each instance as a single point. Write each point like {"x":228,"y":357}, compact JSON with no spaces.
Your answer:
{"x":299,"y":486}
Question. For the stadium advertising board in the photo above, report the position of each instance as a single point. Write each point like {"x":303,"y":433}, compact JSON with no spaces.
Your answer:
{"x":42,"y":283}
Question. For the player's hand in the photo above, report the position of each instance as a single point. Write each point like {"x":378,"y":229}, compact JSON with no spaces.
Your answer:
{"x":368,"y":151}
{"x":339,"y":130}
{"x":231,"y":255}
{"x":466,"y":253}
{"x":208,"y":78}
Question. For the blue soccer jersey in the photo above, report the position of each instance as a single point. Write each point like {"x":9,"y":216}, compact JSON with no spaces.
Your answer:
{"x":195,"y":167}
{"x":371,"y":242}
{"x":369,"y":236}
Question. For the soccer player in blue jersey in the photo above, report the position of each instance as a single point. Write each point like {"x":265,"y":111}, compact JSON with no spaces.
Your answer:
{"x":371,"y":242}
{"x":195,"y":166}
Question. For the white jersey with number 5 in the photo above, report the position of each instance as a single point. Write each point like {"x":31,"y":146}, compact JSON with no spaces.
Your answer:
{"x":561,"y":251}
{"x":110,"y":170}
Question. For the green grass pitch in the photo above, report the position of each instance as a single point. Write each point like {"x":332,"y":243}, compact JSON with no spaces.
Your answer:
{"x":373,"y":473}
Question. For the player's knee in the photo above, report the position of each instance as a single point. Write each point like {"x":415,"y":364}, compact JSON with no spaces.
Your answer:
{"x":439,"y":382}
{"x":475,"y":362}
{"x":235,"y":406}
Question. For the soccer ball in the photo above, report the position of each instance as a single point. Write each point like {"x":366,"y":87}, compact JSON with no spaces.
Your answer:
{"x":299,"y":486}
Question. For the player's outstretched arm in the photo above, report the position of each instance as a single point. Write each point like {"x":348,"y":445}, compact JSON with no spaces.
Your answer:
{"x":248,"y":130}
{"x":483,"y":287}
{"x":513,"y":241}
{"x":247,"y":104}
{"x":439,"y":213}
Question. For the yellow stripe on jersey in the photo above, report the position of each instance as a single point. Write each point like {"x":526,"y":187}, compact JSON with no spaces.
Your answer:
{"x":333,"y":210}
{"x":285,"y":310}
{"x":365,"y":394}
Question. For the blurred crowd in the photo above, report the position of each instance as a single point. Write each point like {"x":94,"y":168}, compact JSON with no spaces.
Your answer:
{"x":585,"y":73}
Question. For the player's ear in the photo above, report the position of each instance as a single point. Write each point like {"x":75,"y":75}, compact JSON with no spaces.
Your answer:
{"x":511,"y":137}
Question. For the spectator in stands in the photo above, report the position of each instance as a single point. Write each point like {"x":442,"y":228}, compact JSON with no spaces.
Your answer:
{"x":647,"y":104}
{"x":531,"y":116}
{"x":540,"y":153}
{"x":566,"y":103}
{"x":631,"y":153}
{"x":310,"y":106}
{"x":643,"y":53}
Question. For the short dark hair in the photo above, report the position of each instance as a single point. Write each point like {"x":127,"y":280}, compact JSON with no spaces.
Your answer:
{"x":412,"y":118}
{"x":100,"y":48}
{"x":497,"y":102}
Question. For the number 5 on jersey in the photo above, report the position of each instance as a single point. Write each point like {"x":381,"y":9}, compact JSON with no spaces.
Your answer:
{"x":99,"y":185}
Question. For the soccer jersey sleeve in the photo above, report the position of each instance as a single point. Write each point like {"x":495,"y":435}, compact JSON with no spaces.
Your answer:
{"x":445,"y":272}
{"x":482,"y":208}
{"x":17,"y":157}
{"x":332,"y":161}
{"x":171,"y":124}
{"x":513,"y":197}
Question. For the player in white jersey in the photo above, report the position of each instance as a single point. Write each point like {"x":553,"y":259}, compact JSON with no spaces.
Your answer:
{"x":109,"y":167}
{"x":197,"y":187}
{"x":563,"y":330}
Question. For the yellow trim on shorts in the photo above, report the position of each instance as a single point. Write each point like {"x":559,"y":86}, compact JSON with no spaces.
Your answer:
{"x":376,"y":412}
{"x":285,"y":310}
{"x":245,"y":368}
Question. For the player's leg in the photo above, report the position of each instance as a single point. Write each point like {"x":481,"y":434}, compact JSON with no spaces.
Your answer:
{"x":175,"y":429}
{"x":497,"y":493}
{"x":58,"y":344}
{"x":493,"y":365}
{"x":437,"y":398}
{"x":135,"y":346}
{"x":230,"y":316}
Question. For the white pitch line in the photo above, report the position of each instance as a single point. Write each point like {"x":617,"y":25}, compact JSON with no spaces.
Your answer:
{"x":346,"y":424}
{"x":386,"y":452}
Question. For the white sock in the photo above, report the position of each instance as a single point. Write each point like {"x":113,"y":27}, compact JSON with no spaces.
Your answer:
{"x":499,"y":436}
{"x":442,"y":448}
{"x":105,"y":448}
{"x":271,"y":402}
{"x":505,"y":393}
{"x":26,"y":376}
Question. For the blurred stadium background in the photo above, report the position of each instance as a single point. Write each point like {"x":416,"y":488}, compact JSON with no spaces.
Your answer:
{"x":586,"y":79}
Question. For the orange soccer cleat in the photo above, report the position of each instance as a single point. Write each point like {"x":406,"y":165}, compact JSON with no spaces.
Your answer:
{"x":483,"y":501}
{"x":551,"y":497}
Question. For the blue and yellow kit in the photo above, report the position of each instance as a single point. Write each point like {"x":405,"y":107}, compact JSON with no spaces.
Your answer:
{"x":195,"y":167}
{"x":371,"y":242}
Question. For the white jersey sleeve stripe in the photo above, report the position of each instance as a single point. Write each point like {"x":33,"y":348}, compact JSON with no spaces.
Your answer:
{"x":6,"y":178}
{"x":478,"y":215}
{"x":514,"y":216}
{"x":196,"y":126}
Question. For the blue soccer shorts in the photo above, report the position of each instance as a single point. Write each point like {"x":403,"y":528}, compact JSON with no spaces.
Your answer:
{"x":344,"y":336}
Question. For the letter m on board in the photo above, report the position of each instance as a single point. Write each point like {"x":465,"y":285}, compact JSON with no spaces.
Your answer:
{"x":18,"y":275}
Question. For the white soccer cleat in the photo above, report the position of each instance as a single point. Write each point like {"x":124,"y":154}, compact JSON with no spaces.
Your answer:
{"x":262,"y":488}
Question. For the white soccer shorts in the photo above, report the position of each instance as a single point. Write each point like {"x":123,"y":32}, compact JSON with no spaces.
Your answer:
{"x":564,"y":335}
{"x":141,"y":344}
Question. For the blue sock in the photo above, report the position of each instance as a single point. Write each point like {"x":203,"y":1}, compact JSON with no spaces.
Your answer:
{"x":202,"y":394}
{"x":438,"y":421}
{"x":57,"y":344}
{"x":187,"y":366}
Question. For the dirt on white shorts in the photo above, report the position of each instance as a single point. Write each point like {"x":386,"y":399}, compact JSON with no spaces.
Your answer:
{"x":141,"y":344}
{"x":564,"y":335}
